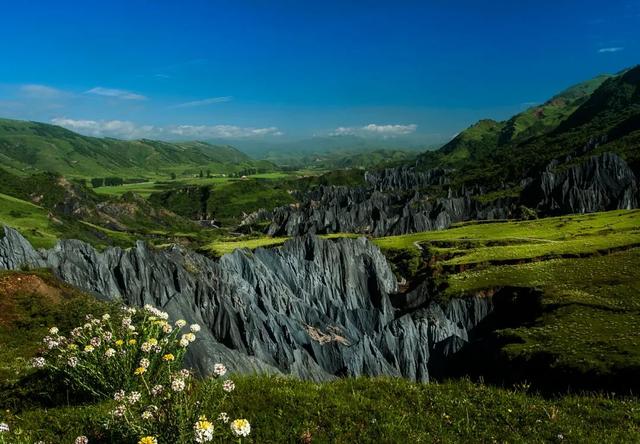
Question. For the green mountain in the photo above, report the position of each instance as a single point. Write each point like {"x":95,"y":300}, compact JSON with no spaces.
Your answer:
{"x":28,"y":147}
{"x":600,"y":115}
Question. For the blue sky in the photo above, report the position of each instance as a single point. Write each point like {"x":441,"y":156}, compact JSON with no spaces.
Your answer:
{"x":278,"y":70}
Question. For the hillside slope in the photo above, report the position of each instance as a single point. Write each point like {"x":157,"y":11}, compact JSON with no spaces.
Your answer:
{"x":35,"y":147}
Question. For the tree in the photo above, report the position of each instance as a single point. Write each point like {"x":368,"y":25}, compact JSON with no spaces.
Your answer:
{"x":173,"y":176}
{"x":201,"y":175}
{"x":97,"y":182}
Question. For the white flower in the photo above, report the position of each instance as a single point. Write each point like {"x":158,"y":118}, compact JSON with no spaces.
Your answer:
{"x":95,"y":341}
{"x":82,"y":440}
{"x":126,"y":322}
{"x":147,"y":415}
{"x":145,"y":347}
{"x":219,"y":369}
{"x":144,"y":363}
{"x":157,"y":390}
{"x":38,"y":362}
{"x":241,"y":427}
{"x":53,"y":330}
{"x":109,"y":353}
{"x":119,"y":410}
{"x":119,"y":395}
{"x":106,"y":317}
{"x":76,"y":332}
{"x":181,"y":323}
{"x":228,"y":385}
{"x":177,"y":385}
{"x":87,"y":326}
{"x":4,"y":427}
{"x":189,"y":337}
{"x":166,"y":328}
{"x":107,"y":335}
{"x":184,"y":342}
{"x":195,"y":328}
{"x":132,"y":328}
{"x":72,"y":361}
{"x":203,"y":430}
{"x":185,"y":373}
{"x":133,"y":397}
{"x":223,"y":417}
{"x":51,"y":344}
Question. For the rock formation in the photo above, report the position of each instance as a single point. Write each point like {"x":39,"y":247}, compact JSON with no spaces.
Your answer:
{"x":313,"y":308}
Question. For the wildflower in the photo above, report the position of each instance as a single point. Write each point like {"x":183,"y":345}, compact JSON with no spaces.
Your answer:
{"x":177,"y":385}
{"x":132,"y":342}
{"x":131,"y":328}
{"x":168,"y":357}
{"x":72,"y":361}
{"x":119,"y":395}
{"x":81,"y":440}
{"x":145,"y":347}
{"x":106,"y":317}
{"x":147,"y":415}
{"x":189,"y":337}
{"x":95,"y":341}
{"x":119,"y":411}
{"x":219,"y":369}
{"x":241,"y":427}
{"x":126,"y":322}
{"x":4,"y":427}
{"x":157,"y":390}
{"x":148,"y":440}
{"x":76,"y":332}
{"x":195,"y":328}
{"x":228,"y":385}
{"x":119,"y":342}
{"x":88,"y":348}
{"x":53,"y":330}
{"x":109,"y":353}
{"x":144,"y":362}
{"x":107,"y":336}
{"x":38,"y":362}
{"x":51,"y":344}
{"x":133,"y":397}
{"x":184,"y":373}
{"x":181,"y":323}
{"x":184,"y":343}
{"x":87,"y":326}
{"x":203,"y":430}
{"x":166,"y":328}
{"x":140,"y":371}
{"x":153,"y":341}
{"x":163,"y":315}
{"x":223,"y":417}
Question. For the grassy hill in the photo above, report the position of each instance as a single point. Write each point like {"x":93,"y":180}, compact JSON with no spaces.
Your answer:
{"x":602,"y":114}
{"x":30,"y":147}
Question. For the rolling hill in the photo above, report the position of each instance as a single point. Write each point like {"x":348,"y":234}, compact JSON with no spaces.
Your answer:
{"x":601,"y":114}
{"x":30,"y":147}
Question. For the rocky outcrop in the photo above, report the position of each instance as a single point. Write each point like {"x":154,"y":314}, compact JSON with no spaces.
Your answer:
{"x":601,"y":183}
{"x":331,"y":209}
{"x":313,"y":308}
{"x":395,"y":203}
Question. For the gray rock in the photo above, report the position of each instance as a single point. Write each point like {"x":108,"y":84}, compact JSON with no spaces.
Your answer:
{"x":313,"y":308}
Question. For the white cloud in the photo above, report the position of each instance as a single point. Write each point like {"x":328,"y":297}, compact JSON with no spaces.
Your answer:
{"x":202,"y":102}
{"x":221,"y":131}
{"x":107,"y":128}
{"x":41,"y":91}
{"x":611,"y":49}
{"x":128,"y":130}
{"x":373,"y":129}
{"x":117,"y":93}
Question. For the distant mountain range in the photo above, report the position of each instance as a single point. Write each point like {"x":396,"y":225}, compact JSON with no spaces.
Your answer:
{"x":601,"y":114}
{"x":29,"y":147}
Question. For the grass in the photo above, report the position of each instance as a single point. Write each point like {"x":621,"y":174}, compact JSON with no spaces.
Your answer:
{"x":32,"y":221}
{"x":289,"y":410}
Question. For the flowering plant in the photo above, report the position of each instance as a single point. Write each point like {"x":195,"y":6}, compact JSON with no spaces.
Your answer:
{"x":134,"y":357}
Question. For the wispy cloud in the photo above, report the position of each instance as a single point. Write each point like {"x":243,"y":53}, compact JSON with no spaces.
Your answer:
{"x":116,"y":93}
{"x":129,"y":130}
{"x":162,"y":76}
{"x":41,"y":91}
{"x":373,"y":129}
{"x":611,"y":49}
{"x":203,"y":102}
{"x":221,"y":131}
